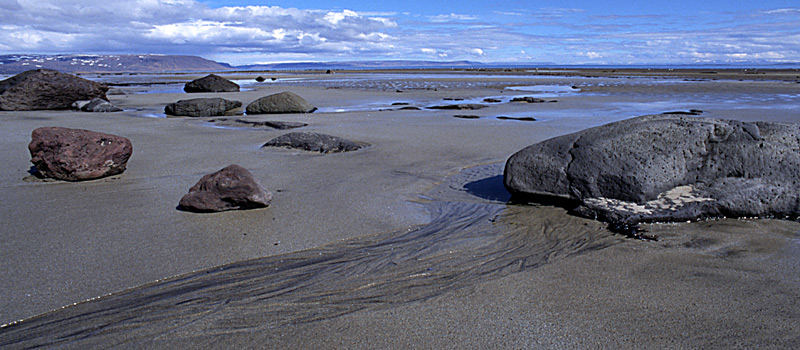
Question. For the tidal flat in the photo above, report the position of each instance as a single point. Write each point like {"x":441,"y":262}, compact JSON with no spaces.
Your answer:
{"x":408,"y":242}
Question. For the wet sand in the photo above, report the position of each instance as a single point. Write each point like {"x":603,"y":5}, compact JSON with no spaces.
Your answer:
{"x":710,"y":283}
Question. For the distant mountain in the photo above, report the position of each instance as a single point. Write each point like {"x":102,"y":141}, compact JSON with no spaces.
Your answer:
{"x":12,"y":64}
{"x":392,"y":64}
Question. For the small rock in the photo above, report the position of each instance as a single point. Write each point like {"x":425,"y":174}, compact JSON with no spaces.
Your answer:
{"x":260,"y":79}
{"x":100,"y":105}
{"x":315,"y":142}
{"x":524,"y":119}
{"x":211,"y":83}
{"x":232,"y":188}
{"x":409,"y":108}
{"x":461,"y":106}
{"x":272,"y":124}
{"x":77,"y":155}
{"x":690,"y":112}
{"x":463,"y":116}
{"x":77,"y":105}
{"x":492,"y":100}
{"x":528,"y":99}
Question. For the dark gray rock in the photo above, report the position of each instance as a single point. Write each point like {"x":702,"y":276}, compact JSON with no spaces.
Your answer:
{"x":260,"y":79}
{"x":100,"y":105}
{"x":204,"y":107}
{"x":46,"y":89}
{"x":284,"y":102}
{"x":690,"y":112}
{"x":530,"y":99}
{"x":271,"y":124}
{"x":460,"y":106}
{"x":665,"y":168}
{"x":523,"y":119}
{"x":315,"y":142}
{"x":77,"y":155}
{"x":492,"y":100}
{"x":231,"y":188}
{"x":274,"y":124}
{"x":466,"y":116}
{"x":211,"y":83}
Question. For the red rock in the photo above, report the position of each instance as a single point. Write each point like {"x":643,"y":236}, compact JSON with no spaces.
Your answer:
{"x":231,"y":188}
{"x":77,"y":155}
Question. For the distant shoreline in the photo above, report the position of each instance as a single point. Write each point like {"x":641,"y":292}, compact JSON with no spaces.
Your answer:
{"x":150,"y":63}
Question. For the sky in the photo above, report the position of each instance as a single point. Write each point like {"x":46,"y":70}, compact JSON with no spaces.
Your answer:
{"x":516,"y":31}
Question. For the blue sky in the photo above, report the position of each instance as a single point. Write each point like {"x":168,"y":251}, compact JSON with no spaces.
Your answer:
{"x":561,"y":32}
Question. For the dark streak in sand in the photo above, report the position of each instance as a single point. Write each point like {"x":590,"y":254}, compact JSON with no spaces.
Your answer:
{"x":466,"y":242}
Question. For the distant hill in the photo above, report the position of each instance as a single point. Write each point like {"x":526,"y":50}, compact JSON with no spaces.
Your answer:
{"x":392,"y":64}
{"x":12,"y":64}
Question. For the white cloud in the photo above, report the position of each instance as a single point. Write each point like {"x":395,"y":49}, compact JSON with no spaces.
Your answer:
{"x":477,"y":51}
{"x":335,"y":17}
{"x":590,"y":54}
{"x":452,"y":17}
{"x":783,"y":11}
{"x":184,"y":26}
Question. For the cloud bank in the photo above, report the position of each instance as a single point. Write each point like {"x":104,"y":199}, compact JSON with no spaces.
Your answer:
{"x":250,"y":34}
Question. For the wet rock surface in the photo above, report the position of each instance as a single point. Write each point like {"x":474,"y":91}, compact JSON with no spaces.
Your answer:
{"x":77,"y":154}
{"x":315,"y":142}
{"x":204,"y":107}
{"x":529,"y":99}
{"x":283,"y":102}
{"x":460,"y":106}
{"x":665,"y":168}
{"x":523,"y":119}
{"x":271,"y":124}
{"x":43,"y":89}
{"x":231,"y":188}
{"x":211,"y":83}
{"x":466,"y":116}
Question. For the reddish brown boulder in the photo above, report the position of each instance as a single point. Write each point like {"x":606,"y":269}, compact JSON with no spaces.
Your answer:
{"x":230,"y":188}
{"x":77,"y":155}
{"x":46,"y":89}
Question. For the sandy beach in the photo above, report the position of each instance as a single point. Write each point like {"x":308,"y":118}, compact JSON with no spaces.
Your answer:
{"x":473,"y":272}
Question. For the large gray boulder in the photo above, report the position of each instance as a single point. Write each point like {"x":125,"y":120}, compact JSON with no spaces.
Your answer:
{"x":665,"y":168}
{"x":203,"y":107}
{"x":46,"y":89}
{"x":233,"y":187}
{"x":211,"y":83}
{"x":77,"y":154}
{"x":314,"y":142}
{"x":284,"y":102}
